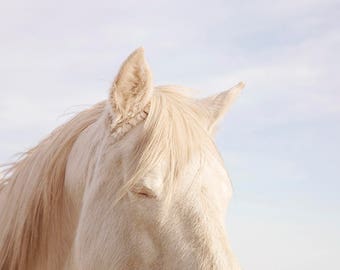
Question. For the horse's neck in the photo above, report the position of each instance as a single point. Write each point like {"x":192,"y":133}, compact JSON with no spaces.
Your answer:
{"x":79,"y":169}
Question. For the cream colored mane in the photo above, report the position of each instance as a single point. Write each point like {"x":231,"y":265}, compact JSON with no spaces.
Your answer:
{"x":174,"y":129}
{"x":173,"y":132}
{"x":35,"y":188}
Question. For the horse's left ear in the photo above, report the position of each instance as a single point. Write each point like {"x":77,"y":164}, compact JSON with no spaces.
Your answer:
{"x":132,"y":88}
{"x":216,"y":106}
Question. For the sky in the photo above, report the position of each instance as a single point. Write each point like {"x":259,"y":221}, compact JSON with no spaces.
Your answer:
{"x":280,"y":141}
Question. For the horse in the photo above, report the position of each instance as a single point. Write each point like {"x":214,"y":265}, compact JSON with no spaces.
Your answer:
{"x":134,"y":182}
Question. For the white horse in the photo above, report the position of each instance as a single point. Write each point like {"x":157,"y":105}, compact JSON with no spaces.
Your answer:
{"x":135,"y":182}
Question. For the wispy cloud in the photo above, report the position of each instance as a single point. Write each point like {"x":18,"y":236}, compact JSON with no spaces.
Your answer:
{"x":280,"y":141}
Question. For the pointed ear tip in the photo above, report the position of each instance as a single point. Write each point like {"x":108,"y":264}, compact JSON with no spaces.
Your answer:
{"x":237,"y":88}
{"x":241,"y":85}
{"x":139,"y":51}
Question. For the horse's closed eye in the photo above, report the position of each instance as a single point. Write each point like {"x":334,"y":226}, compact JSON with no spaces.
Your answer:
{"x":144,"y":192}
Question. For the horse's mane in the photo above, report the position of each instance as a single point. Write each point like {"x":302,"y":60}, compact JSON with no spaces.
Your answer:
{"x":35,"y":188}
{"x":173,"y":130}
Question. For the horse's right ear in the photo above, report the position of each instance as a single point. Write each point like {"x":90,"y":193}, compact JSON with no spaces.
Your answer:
{"x":132,"y":88}
{"x":216,"y":106}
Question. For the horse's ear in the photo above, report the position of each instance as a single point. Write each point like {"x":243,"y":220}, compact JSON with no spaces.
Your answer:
{"x":132,"y":88}
{"x":216,"y":106}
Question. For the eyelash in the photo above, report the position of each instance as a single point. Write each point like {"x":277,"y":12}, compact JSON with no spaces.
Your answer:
{"x":143,"y":194}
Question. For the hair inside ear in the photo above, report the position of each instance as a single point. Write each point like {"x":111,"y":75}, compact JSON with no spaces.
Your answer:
{"x":132,"y":88}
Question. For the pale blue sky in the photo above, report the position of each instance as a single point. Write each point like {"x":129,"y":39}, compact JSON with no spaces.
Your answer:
{"x":280,"y":141}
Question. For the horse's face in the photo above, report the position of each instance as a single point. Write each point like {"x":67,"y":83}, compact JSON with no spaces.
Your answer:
{"x":183,"y":232}
{"x":159,"y":194}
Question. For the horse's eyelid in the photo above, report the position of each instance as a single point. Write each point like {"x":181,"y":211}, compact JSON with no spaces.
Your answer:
{"x":143,"y":192}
